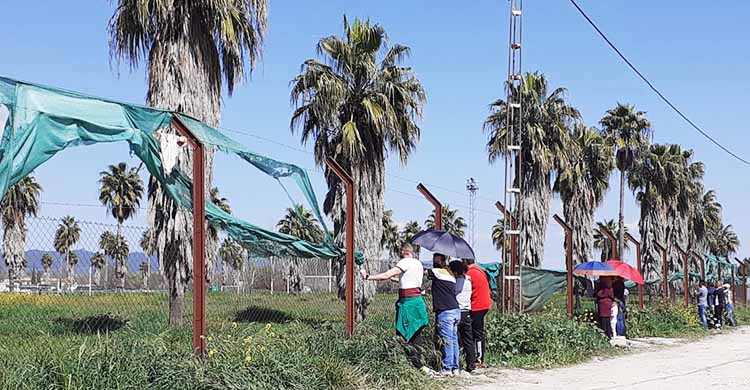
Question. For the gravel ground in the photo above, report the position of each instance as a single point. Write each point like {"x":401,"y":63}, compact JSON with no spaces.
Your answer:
{"x":721,"y":361}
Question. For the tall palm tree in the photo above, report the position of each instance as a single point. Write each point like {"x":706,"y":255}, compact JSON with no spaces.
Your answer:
{"x":98,"y":261}
{"x":193,"y":50}
{"x":212,"y":245}
{"x":408,"y":232}
{"x":583,"y":185}
{"x":299,"y":222}
{"x":724,"y":241}
{"x":121,"y":189}
{"x":391,"y":241}
{"x":706,"y":217}
{"x":105,"y":244}
{"x":544,"y":141}
{"x":233,"y":255}
{"x":452,"y":222}
{"x":627,"y":131}
{"x":116,"y":247}
{"x":602,"y":242}
{"x":357,"y":107}
{"x":68,"y":233}
{"x":656,"y":178}
{"x":21,"y":201}
{"x":47,"y":261}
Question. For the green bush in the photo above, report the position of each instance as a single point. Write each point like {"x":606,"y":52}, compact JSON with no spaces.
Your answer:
{"x":662,"y":320}
{"x":541,"y":340}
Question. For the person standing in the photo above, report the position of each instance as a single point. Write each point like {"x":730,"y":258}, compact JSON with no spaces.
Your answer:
{"x":463,"y":296}
{"x":721,"y":301}
{"x":605,"y":299}
{"x":729,"y":305}
{"x":447,"y":313}
{"x":481,"y":302}
{"x":411,"y":311}
{"x":702,"y":303}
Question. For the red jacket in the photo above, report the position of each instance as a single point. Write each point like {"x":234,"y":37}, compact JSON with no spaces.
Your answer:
{"x":605,"y":298}
{"x":480,"y":289}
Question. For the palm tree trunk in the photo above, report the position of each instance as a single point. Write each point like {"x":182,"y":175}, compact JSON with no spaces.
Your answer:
{"x":621,"y":230}
{"x":535,"y":206}
{"x":14,"y":242}
{"x":178,"y":81}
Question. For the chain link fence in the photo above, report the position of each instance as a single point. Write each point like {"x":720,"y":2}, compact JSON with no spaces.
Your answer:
{"x":66,"y":279}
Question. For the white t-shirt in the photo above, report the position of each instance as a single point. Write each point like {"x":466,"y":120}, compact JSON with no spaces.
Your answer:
{"x":412,"y":272}
{"x":463,"y":292}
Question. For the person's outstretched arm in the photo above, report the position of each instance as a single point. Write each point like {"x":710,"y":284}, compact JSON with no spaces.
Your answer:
{"x":387,"y":275}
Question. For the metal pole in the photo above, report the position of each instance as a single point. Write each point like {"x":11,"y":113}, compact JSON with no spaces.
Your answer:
{"x":199,"y":238}
{"x":685,"y":275}
{"x":349,"y":266}
{"x":638,"y":264}
{"x":744,"y":284}
{"x":568,"y":261}
{"x":435,"y":203}
{"x":612,"y":241}
{"x":510,"y":288}
{"x":665,"y":270}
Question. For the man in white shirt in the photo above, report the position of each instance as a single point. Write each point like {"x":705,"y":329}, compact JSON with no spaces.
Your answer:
{"x":411,"y":312}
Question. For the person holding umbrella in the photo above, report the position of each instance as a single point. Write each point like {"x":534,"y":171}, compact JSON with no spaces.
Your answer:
{"x":411,"y":311}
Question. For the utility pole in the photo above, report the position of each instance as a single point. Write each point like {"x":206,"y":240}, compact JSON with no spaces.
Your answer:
{"x":473,"y":188}
{"x":512,"y":271}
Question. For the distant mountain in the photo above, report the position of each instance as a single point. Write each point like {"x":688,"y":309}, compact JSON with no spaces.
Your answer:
{"x":34,"y":260}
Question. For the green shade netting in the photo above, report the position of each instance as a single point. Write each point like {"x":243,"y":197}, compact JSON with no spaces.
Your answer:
{"x":43,"y":121}
{"x":539,"y":285}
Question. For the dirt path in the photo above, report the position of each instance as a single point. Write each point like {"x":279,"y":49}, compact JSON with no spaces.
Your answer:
{"x":718,"y":362}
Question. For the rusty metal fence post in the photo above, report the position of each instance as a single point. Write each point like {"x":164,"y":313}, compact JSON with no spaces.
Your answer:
{"x":199,"y":237}
{"x":637,"y":244}
{"x":349,"y":264}
{"x":665,"y":270}
{"x":435,"y":203}
{"x":568,"y":261}
{"x":612,"y":241}
{"x":685,"y":275}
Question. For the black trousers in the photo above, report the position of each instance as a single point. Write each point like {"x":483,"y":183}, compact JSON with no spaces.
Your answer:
{"x":719,"y":313}
{"x":477,"y":329}
{"x":414,"y":347}
{"x":605,"y":323}
{"x":466,"y":340}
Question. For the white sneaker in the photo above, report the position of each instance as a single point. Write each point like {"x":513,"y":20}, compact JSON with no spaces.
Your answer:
{"x":462,"y":374}
{"x":446,"y":373}
{"x":428,"y":371}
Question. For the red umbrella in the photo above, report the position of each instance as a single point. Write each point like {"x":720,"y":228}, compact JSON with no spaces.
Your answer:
{"x":626,"y":271}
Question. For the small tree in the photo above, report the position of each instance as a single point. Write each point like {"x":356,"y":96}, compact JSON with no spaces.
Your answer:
{"x":47,"y":261}
{"x":233,"y":255}
{"x":452,"y":222}
{"x":299,"y":222}
{"x":98,"y":261}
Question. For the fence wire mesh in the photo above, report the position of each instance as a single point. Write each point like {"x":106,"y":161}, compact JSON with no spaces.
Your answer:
{"x":71,"y":279}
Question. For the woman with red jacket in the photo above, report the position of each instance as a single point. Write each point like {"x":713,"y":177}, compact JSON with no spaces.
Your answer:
{"x":605,"y":298}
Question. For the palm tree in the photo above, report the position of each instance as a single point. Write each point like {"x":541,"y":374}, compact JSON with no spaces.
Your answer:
{"x":233,"y":255}
{"x":602,"y":242}
{"x":391,"y":241}
{"x":656,"y":179}
{"x":72,"y":262}
{"x":98,"y":261}
{"x":68,"y":233}
{"x":47,"y":261}
{"x":193,"y":49}
{"x":706,"y":217}
{"x":299,"y":222}
{"x":21,"y":201}
{"x":357,"y":108}
{"x":583,"y":185}
{"x":116,"y":247}
{"x":105,"y":244}
{"x":724,"y":241}
{"x":120,"y":191}
{"x":408,"y":232}
{"x":498,"y":234}
{"x":452,"y":222}
{"x":544,"y":141}
{"x":627,"y":130}
{"x":212,"y":245}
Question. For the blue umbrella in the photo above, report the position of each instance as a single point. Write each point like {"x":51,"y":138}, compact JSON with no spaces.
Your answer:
{"x":442,"y":242}
{"x":595,"y":268}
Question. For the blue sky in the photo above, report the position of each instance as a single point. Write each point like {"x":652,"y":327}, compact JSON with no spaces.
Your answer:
{"x":460,"y":54}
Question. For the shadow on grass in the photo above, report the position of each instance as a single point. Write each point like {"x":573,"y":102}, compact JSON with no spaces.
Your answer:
{"x":103,"y":323}
{"x":263,"y":315}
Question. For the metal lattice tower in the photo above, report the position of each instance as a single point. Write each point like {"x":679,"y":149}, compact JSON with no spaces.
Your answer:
{"x":473,"y":188}
{"x":512,"y":267}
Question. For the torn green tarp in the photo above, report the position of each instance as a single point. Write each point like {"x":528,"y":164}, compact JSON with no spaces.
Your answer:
{"x":43,"y":121}
{"x":538,"y":284}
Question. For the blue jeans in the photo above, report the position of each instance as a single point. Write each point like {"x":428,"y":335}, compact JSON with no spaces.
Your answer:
{"x":447,"y":326}
{"x":730,"y":314}
{"x":702,"y":316}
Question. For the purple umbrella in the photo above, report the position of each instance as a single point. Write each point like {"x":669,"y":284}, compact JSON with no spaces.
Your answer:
{"x":438,"y":241}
